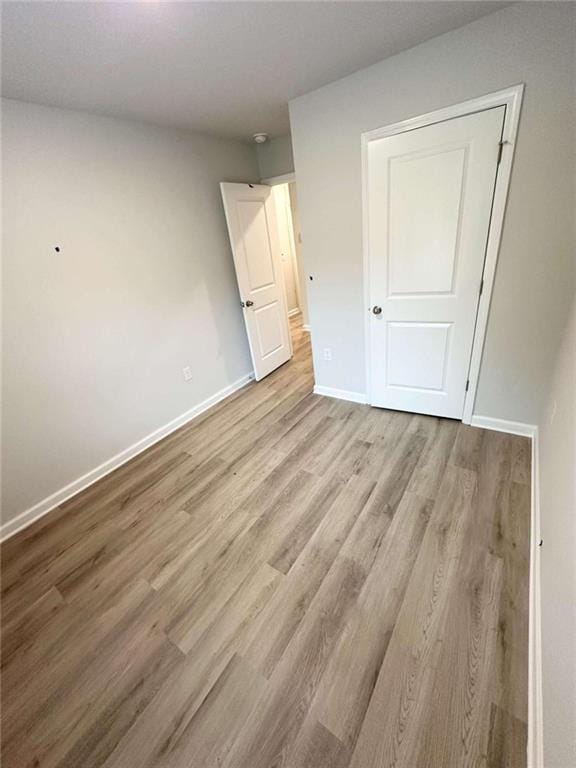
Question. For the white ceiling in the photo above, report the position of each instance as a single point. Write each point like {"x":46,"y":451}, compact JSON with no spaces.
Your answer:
{"x":226,"y":68}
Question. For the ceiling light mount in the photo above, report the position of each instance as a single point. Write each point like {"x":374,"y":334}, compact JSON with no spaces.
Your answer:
{"x":260,"y":138}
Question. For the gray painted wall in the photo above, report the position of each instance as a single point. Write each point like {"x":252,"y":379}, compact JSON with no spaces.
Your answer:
{"x":558,"y":556}
{"x":531,"y":43}
{"x":275,"y":157}
{"x":96,"y":336}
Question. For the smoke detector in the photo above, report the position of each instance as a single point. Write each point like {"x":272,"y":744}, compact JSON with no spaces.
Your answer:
{"x":260,"y":138}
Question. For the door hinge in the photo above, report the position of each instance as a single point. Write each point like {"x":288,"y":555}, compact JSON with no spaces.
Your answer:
{"x":481,"y":286}
{"x":467,"y":385}
{"x":500,"y":148}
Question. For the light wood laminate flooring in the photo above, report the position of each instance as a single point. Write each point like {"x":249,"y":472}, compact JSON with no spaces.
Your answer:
{"x":289,"y":580}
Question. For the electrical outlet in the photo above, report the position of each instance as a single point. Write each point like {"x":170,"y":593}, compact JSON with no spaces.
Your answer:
{"x":187,"y":371}
{"x":327,"y":353}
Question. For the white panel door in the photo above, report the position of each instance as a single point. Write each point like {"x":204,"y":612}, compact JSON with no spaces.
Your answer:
{"x":254,"y":238}
{"x":429,"y":200}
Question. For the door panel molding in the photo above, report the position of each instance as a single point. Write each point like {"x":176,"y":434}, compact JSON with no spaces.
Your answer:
{"x":511,"y":99}
{"x":393,"y":265}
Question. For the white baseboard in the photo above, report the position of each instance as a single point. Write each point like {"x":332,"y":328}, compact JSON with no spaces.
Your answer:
{"x":26,"y":518}
{"x":535,"y":714}
{"x":502,"y":425}
{"x":340,"y":394}
{"x":306,"y":327}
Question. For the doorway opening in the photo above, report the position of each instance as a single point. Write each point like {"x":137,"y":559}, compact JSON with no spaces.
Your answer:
{"x":285,"y":198}
{"x":263,"y":236}
{"x":287,"y":237}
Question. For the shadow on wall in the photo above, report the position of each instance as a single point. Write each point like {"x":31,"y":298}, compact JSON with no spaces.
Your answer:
{"x":275,"y":157}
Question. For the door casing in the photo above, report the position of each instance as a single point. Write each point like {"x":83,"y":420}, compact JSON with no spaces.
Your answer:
{"x":511,"y":98}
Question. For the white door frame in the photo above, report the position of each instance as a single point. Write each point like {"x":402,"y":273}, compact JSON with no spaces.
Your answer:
{"x":511,"y":98}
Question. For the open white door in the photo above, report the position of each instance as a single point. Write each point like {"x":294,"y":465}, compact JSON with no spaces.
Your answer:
{"x":430,"y":193}
{"x":253,"y":234}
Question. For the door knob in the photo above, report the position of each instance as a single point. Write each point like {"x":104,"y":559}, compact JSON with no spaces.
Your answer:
{"x":249,"y":303}
{"x":377,"y":310}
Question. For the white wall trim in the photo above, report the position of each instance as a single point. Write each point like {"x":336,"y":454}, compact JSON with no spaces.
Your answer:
{"x":340,"y":394}
{"x":285,"y":178}
{"x":295,"y":311}
{"x":503,"y":425}
{"x":511,"y":98}
{"x":535,"y":746}
{"x":26,"y":518}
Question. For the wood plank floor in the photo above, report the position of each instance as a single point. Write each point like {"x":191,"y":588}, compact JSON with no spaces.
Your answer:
{"x":288,"y":581}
